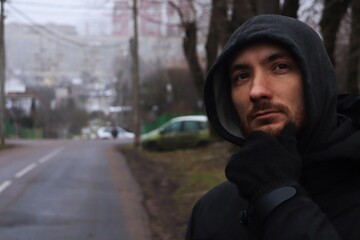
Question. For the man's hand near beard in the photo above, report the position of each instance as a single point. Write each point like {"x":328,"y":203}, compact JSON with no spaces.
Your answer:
{"x":265,"y":167}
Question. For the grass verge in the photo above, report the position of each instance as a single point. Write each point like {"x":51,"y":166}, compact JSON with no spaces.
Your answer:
{"x":173,"y":181}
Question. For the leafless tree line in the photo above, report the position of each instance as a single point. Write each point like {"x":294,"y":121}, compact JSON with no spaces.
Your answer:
{"x":227,"y":15}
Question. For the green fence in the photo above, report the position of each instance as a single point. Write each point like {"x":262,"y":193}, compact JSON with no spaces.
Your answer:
{"x":12,"y":131}
{"x":30,"y":133}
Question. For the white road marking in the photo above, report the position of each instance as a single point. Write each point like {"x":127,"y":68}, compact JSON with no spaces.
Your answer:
{"x":30,"y":167}
{"x":5,"y":185}
{"x":50,"y":155}
{"x":25,"y":170}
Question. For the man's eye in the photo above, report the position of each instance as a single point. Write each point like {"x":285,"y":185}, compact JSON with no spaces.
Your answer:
{"x":242,"y":76}
{"x":282,"y":67}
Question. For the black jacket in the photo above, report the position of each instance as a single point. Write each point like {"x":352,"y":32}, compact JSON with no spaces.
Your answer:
{"x":329,"y":146}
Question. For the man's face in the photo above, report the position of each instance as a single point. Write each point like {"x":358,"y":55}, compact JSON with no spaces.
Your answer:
{"x":266,"y":89}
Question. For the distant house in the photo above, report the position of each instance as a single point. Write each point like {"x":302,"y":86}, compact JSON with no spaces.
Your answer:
{"x":26,"y":103}
{"x":14,"y":85}
{"x":20,"y":115}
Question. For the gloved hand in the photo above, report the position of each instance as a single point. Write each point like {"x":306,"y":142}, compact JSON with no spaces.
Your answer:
{"x":265,"y":163}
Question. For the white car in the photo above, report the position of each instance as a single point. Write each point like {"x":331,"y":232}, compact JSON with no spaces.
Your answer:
{"x":105,"y":133}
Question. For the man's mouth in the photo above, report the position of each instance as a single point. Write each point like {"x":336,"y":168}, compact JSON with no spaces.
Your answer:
{"x":264,"y":114}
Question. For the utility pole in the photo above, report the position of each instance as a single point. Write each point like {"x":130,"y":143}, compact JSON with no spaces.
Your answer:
{"x":135,"y":74}
{"x":2,"y":75}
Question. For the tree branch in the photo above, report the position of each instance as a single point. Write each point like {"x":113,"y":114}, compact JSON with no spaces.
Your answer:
{"x":178,"y":10}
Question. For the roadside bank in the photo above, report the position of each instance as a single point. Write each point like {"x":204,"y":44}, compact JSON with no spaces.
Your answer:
{"x":173,"y":181}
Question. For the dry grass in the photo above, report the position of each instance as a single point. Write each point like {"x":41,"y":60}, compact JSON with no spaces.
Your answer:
{"x":173,"y":181}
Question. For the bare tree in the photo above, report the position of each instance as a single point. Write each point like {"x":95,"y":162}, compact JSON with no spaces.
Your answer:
{"x":353,"y":65}
{"x":242,"y":10}
{"x":267,"y":6}
{"x":217,"y":20}
{"x":189,"y":25}
{"x":225,"y":17}
{"x":333,"y":13}
{"x":290,"y":8}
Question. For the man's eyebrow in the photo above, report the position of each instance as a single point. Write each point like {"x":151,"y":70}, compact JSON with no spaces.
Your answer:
{"x":274,"y":56}
{"x":238,"y":66}
{"x":267,"y":59}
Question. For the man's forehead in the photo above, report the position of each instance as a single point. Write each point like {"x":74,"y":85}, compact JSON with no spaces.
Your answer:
{"x":261,"y":51}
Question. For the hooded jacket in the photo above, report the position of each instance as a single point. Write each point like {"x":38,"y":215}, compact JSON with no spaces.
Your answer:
{"x":329,"y":145}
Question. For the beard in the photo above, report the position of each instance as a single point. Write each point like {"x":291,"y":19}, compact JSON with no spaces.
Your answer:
{"x":296,"y":116}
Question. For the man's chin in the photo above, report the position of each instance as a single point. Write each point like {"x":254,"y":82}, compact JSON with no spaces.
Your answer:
{"x":273,"y":129}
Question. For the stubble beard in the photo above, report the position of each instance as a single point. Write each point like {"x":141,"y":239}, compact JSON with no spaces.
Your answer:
{"x":296,"y":117}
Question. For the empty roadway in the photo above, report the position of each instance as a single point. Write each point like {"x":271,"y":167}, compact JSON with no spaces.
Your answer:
{"x":69,"y":190}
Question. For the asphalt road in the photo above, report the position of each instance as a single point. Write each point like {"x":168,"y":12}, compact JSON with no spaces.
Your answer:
{"x":69,"y":190}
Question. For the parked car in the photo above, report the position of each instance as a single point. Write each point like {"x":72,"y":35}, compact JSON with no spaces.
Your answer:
{"x":179,"y":132}
{"x":108,"y":133}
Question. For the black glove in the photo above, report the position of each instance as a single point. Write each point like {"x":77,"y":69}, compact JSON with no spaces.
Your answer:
{"x":265,"y":163}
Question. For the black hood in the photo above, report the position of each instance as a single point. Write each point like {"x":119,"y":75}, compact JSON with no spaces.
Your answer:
{"x":317,"y":74}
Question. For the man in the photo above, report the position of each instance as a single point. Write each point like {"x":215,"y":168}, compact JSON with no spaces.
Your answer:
{"x":272,"y":91}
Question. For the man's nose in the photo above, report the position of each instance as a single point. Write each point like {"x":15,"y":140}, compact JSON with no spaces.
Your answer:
{"x":260,"y":88}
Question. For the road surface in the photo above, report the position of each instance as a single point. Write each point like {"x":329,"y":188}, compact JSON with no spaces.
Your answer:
{"x":69,"y":190}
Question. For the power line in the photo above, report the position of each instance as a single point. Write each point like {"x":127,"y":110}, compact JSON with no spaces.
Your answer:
{"x":142,"y":14}
{"x":61,"y":14}
{"x":57,"y":5}
{"x":157,"y":21}
{"x":43,"y":29}
{"x":58,"y":37}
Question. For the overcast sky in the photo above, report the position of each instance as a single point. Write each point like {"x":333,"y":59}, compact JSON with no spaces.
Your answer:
{"x":94,"y":13}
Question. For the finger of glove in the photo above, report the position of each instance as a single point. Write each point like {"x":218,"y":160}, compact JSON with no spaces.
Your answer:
{"x":261,"y":164}
{"x":265,"y":157}
{"x":263,"y":153}
{"x":258,"y":173}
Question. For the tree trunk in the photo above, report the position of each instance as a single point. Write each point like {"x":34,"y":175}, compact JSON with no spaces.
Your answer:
{"x":290,"y":8}
{"x":220,"y":28}
{"x":242,"y":11}
{"x":218,"y":23}
{"x":267,"y":6}
{"x":189,"y":26}
{"x":189,"y":47}
{"x":354,"y":50}
{"x":333,"y":13}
